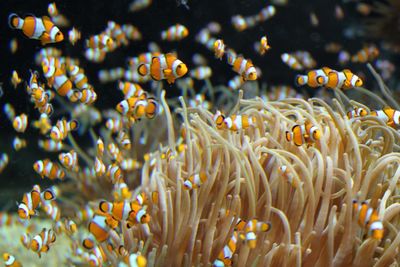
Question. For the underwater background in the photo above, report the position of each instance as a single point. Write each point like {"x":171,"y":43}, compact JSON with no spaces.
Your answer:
{"x":347,"y":25}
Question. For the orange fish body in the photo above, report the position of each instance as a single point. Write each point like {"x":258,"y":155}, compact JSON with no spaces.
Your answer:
{"x":368,"y":218}
{"x":306,"y":133}
{"x":165,"y":66}
{"x":10,"y":261}
{"x":42,"y":29}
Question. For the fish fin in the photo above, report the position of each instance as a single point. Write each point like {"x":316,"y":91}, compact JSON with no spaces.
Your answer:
{"x":167,"y":72}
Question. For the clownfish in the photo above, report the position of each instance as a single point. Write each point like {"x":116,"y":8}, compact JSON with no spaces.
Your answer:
{"x":121,"y":191}
{"x":99,"y":167}
{"x":305,"y":133}
{"x":262,"y":46}
{"x":69,"y":160}
{"x":234,"y":122}
{"x":50,"y":145}
{"x":175,"y":33}
{"x":42,"y":29}
{"x":10,"y":261}
{"x":368,"y":218}
{"x":314,"y":78}
{"x":46,"y":168}
{"x":30,"y":202}
{"x":99,"y":228}
{"x":74,"y":36}
{"x":165,"y":66}
{"x":343,"y":80}
{"x":390,"y":116}
{"x":219,"y":48}
{"x":126,"y":211}
{"x":41,"y":242}
{"x":225,"y":255}
{"x":131,"y":89}
{"x":195,"y":181}
{"x":357,"y":112}
{"x":244,"y":67}
{"x":19,"y":143}
{"x":251,"y":227}
{"x":20,"y":123}
{"x":62,"y":128}
{"x":368,"y":53}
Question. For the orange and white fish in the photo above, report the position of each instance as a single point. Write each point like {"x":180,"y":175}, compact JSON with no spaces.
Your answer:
{"x":125,"y":211}
{"x":234,"y":122}
{"x":20,"y":123}
{"x":219,"y":48}
{"x":357,"y":112}
{"x":50,"y":145}
{"x":262,"y":46}
{"x":30,"y":202}
{"x":305,"y":133}
{"x":343,"y":80}
{"x":195,"y":181}
{"x":176,"y":32}
{"x":368,"y":53}
{"x":19,"y":143}
{"x":291,"y":61}
{"x":165,"y":66}
{"x":131,"y":89}
{"x":313,"y":78}
{"x":43,"y":124}
{"x":124,"y":140}
{"x":100,"y":42}
{"x":368,"y":218}
{"x":121,"y":191}
{"x":114,"y":173}
{"x":69,"y":160}
{"x":201,"y":73}
{"x":99,"y":167}
{"x":244,"y":67}
{"x":42,"y":241}
{"x":42,"y":29}
{"x":78,"y":76}
{"x":62,"y":128}
{"x":86,"y":96}
{"x":10,"y":261}
{"x":74,"y":36}
{"x":390,"y":116}
{"x":251,"y":228}
{"x":127,"y":106}
{"x":225,"y":255}
{"x":58,"y":18}
{"x":99,"y":228}
{"x":46,"y":168}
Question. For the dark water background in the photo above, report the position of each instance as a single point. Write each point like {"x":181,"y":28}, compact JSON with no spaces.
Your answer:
{"x":288,"y":31}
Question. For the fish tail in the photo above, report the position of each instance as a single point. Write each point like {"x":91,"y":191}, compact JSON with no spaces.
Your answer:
{"x":300,"y":80}
{"x":14,"y":21}
{"x":143,"y":69}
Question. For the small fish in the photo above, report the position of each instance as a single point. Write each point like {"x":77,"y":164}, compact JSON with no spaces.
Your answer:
{"x":20,"y":123}
{"x":224,"y":257}
{"x":368,"y":218}
{"x":195,"y":181}
{"x":233,"y":122}
{"x":367,"y":54}
{"x":357,"y":112}
{"x":262,"y":46}
{"x":62,"y":128}
{"x":46,"y":168}
{"x":15,"y":79}
{"x":219,"y":48}
{"x":125,"y":211}
{"x":313,"y":78}
{"x":165,"y":66}
{"x":390,"y":116}
{"x":42,"y":29}
{"x":58,"y":19}
{"x":10,"y":261}
{"x":19,"y":143}
{"x":41,"y":242}
{"x":305,"y":133}
{"x":99,"y":228}
{"x":244,"y":67}
{"x":291,"y":61}
{"x":176,"y":32}
{"x":201,"y":73}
